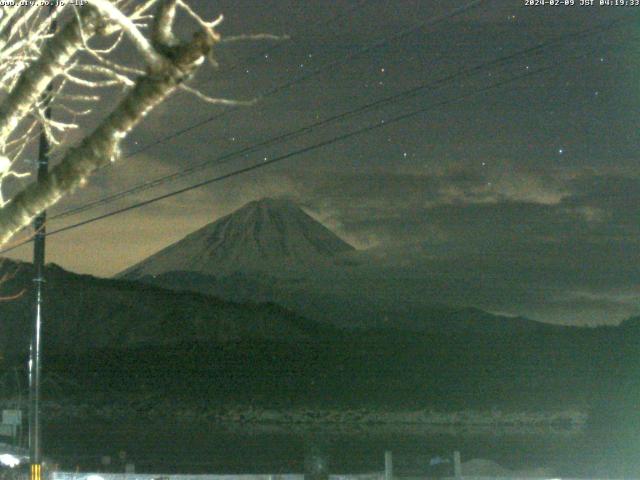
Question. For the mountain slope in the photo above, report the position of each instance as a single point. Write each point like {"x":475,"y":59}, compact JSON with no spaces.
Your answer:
{"x":348,"y":303}
{"x":83,"y":312}
{"x":264,"y":235}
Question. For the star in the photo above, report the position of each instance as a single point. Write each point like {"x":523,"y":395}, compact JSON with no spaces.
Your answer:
{"x":560,"y":151}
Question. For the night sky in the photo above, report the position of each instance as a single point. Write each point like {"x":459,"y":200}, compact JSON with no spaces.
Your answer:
{"x":523,"y":199}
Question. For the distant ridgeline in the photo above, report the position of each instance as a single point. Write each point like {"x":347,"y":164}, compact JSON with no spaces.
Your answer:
{"x":119,"y":338}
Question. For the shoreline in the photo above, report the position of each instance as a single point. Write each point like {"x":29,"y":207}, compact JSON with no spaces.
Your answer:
{"x":570,"y":421}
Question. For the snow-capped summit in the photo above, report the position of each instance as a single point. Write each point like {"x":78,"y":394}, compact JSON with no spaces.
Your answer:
{"x":266,"y":235}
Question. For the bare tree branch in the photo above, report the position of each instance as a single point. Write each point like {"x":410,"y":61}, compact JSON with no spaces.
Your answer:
{"x":55,"y":54}
{"x":178,"y":64}
{"x":151,"y":57}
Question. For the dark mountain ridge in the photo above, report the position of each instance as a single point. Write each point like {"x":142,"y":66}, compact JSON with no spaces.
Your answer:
{"x":83,"y":312}
{"x":296,"y":294}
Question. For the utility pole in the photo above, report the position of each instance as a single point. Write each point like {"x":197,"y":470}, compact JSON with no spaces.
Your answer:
{"x":35,"y":353}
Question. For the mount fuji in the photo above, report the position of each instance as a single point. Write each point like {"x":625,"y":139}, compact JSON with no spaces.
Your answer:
{"x":268,"y":236}
{"x":270,"y":250}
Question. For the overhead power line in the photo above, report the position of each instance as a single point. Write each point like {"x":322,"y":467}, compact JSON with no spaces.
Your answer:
{"x":313,"y":73}
{"x":406,"y":94}
{"x":282,"y":87}
{"x":249,"y":58}
{"x":278,"y":45}
{"x":298,"y":152}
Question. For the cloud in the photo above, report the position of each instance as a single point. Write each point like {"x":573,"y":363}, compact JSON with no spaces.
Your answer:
{"x":508,"y":241}
{"x":405,"y":207}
